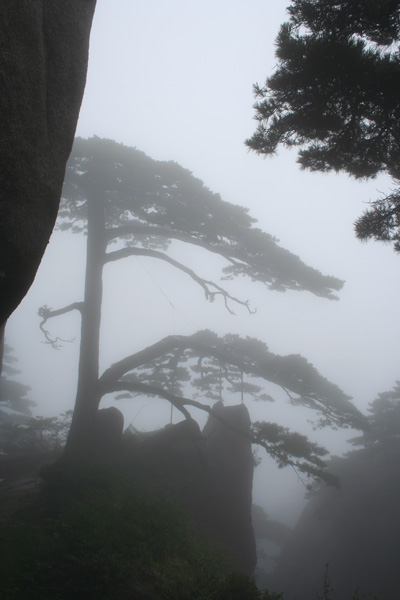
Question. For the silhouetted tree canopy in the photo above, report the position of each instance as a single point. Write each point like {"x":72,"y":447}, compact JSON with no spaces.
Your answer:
{"x":216,"y":366}
{"x":15,"y":404}
{"x":120,"y":197}
{"x":197,"y":370}
{"x":150,"y":203}
{"x":384,"y":420}
{"x":13,"y":394}
{"x":335,"y":95}
{"x":355,"y":528}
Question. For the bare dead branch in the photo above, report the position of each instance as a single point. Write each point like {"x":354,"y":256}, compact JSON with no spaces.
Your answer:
{"x":47,"y":313}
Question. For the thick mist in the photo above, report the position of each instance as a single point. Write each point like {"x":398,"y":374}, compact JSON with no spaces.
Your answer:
{"x":175,"y":81}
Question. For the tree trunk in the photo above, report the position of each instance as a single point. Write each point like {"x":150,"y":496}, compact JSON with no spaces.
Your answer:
{"x":2,"y":329}
{"x":43,"y":62}
{"x":81,"y":437}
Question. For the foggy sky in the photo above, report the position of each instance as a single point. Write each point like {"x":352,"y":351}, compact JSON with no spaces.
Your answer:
{"x":175,"y":80}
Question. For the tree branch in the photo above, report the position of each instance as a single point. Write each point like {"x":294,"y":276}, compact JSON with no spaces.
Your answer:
{"x":250,"y":252}
{"x":331,"y":402}
{"x":137,"y":387}
{"x":179,"y":402}
{"x":207,"y":285}
{"x":140,"y":229}
{"x":48,"y":313}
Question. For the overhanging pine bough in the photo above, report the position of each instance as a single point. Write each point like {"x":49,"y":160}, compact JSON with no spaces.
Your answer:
{"x":335,"y":96}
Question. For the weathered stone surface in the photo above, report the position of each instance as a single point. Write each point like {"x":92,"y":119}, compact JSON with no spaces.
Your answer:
{"x":43,"y":62}
{"x":109,"y":427}
{"x":210,"y":473}
{"x":172,"y":462}
{"x":231,"y":466}
{"x":354,"y":529}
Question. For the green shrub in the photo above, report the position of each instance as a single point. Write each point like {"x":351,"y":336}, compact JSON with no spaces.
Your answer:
{"x":93,"y":534}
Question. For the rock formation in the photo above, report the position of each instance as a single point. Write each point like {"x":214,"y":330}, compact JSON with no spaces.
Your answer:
{"x":231,"y":467}
{"x":109,"y":427}
{"x":43,"y":62}
{"x":209,"y":473}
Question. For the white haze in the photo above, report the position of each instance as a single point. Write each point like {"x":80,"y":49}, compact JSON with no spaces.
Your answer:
{"x":175,"y":80}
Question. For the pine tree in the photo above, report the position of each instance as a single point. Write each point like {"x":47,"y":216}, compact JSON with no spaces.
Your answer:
{"x":335,"y":95}
{"x":119,"y":195}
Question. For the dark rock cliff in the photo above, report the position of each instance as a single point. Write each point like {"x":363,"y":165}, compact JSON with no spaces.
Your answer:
{"x":231,"y":468}
{"x":210,"y":473}
{"x":43,"y":62}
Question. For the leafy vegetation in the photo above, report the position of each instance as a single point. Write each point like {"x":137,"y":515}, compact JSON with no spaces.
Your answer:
{"x":20,"y":431}
{"x":95,"y":534}
{"x":328,"y":590}
{"x":13,"y":395}
{"x":15,"y":404}
{"x":334,"y":95}
{"x":35,"y":434}
{"x":384,"y":421}
{"x":354,"y":528}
